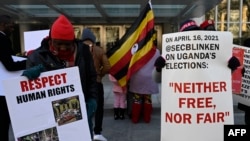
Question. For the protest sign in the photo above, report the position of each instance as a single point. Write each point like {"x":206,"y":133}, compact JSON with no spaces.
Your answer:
{"x":243,"y":95}
{"x":33,"y":39}
{"x":237,"y":73}
{"x":9,"y":74}
{"x":51,"y":107}
{"x":196,"y":86}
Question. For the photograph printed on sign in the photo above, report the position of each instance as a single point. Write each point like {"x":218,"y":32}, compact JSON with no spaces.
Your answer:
{"x":67,"y":110}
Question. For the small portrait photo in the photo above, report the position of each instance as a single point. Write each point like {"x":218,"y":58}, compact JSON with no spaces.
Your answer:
{"x":67,"y":110}
{"x":49,"y":134}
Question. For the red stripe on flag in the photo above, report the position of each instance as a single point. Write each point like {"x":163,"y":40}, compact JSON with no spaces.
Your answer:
{"x":121,"y":63}
{"x":141,"y":62}
{"x":147,"y":28}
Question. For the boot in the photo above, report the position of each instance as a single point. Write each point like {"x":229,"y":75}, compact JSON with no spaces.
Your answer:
{"x":147,"y":111}
{"x":121,"y":114}
{"x":116,"y":113}
{"x":136,"y":110}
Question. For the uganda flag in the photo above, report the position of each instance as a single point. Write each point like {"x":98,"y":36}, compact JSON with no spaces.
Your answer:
{"x":135,"y":48}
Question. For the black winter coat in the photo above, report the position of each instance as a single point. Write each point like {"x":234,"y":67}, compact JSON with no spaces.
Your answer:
{"x":83,"y":60}
{"x":6,"y":53}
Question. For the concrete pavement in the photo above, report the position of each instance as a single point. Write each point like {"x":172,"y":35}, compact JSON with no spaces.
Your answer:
{"x":125,"y":130}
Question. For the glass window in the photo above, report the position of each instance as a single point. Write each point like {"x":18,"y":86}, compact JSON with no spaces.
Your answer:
{"x":234,"y":28}
{"x":246,"y":11}
{"x":246,"y":33}
{"x":222,"y":11}
{"x":245,"y":19}
{"x":237,"y":24}
{"x":112,"y":35}
{"x":210,"y":15}
{"x":78,"y":31}
{"x":234,"y":16}
{"x":221,"y":27}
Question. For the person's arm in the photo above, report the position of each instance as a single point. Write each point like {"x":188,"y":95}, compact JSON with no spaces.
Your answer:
{"x":7,"y":60}
{"x":12,"y":65}
{"x":159,"y":64}
{"x":34,"y":66}
{"x":112,"y":78}
{"x":91,"y":74}
{"x":105,"y":64}
{"x":156,"y":76}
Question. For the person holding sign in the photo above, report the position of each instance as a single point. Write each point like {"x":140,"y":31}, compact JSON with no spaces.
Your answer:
{"x":208,"y":25}
{"x":102,"y":66}
{"x":187,"y":25}
{"x":190,"y":25}
{"x":241,"y":106}
{"x":233,"y":63}
{"x":193,"y":65}
{"x":6,"y":28}
{"x":142,"y":91}
{"x":61,"y":50}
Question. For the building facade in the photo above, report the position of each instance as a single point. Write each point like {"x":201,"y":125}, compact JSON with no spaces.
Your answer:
{"x":229,"y":15}
{"x":233,"y":16}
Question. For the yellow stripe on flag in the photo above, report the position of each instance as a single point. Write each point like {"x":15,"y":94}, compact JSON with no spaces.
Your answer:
{"x":126,"y":46}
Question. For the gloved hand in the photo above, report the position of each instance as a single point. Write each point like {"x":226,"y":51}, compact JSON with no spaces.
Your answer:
{"x":91,"y":106}
{"x":233,"y":63}
{"x":34,"y":72}
{"x":159,"y":63}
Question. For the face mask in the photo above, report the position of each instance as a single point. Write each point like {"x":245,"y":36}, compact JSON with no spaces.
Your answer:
{"x":66,"y":55}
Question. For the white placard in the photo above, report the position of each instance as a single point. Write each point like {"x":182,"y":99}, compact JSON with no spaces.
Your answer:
{"x":244,"y":96}
{"x":51,"y":107}
{"x":33,"y":39}
{"x":196,"y":86}
{"x":9,"y":74}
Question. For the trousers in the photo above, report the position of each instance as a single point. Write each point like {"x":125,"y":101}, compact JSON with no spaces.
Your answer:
{"x":4,"y":119}
{"x":99,"y":111}
{"x":119,"y":100}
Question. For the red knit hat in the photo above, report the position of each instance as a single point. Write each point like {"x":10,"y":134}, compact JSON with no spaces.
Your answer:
{"x":62,"y":29}
{"x":206,"y":23}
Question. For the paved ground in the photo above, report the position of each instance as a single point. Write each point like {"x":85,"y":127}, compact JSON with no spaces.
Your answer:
{"x":125,"y":130}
